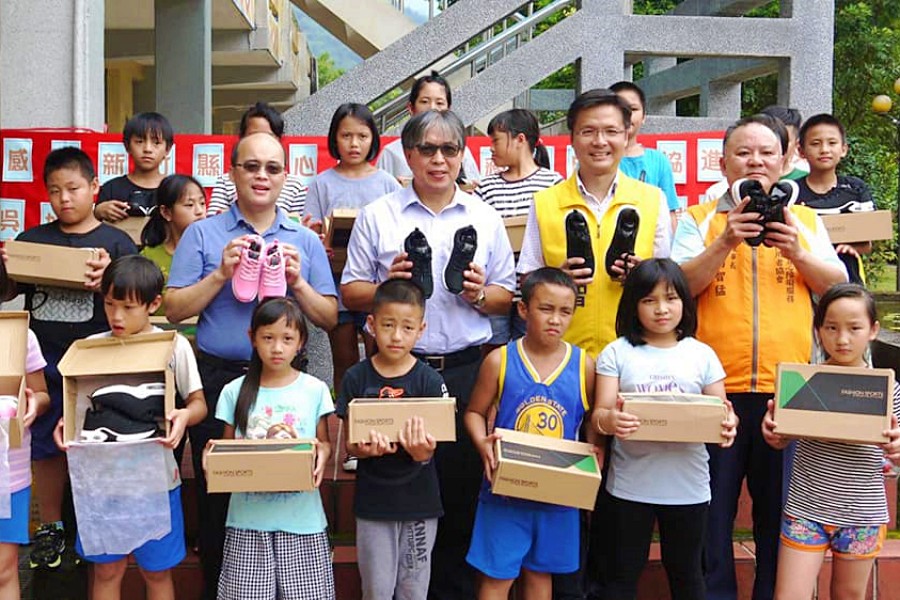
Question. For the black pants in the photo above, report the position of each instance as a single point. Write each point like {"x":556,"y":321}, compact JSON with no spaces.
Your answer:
{"x":621,"y":535}
{"x":460,"y":473}
{"x":212,"y":509}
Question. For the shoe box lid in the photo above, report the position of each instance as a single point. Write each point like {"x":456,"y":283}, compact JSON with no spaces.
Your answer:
{"x":61,"y":266}
{"x":13,"y":351}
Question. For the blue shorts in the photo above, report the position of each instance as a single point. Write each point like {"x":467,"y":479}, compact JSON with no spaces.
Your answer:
{"x":156,"y":555}
{"x":42,"y":444}
{"x":14,"y":530}
{"x":508,"y":537}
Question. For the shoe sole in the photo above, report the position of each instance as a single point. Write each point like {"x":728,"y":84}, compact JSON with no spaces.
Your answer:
{"x":142,"y":391}
{"x":618,"y":246}
{"x":114,"y":436}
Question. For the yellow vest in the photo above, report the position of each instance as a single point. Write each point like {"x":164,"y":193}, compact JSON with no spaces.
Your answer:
{"x":594,"y":322}
{"x":757,"y":311}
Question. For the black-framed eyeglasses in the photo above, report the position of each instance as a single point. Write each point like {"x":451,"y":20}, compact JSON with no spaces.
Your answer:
{"x":429,"y":150}
{"x":253,"y":167}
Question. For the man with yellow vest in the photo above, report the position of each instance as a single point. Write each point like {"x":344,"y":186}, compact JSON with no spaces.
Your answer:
{"x":754,"y":307}
{"x":599,"y":121}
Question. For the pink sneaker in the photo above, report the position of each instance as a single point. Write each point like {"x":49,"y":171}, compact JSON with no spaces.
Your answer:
{"x":245,"y":282}
{"x":272,"y":282}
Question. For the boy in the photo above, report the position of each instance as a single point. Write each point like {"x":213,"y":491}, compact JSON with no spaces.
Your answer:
{"x":132,"y":291}
{"x":397,"y":501}
{"x":60,"y":316}
{"x":823,"y":144}
{"x":794,"y":165}
{"x":542,"y":385}
{"x":148,"y":137}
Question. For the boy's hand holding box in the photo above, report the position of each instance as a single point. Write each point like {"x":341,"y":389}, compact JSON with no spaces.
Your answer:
{"x":676,"y":417}
{"x":388,"y":415}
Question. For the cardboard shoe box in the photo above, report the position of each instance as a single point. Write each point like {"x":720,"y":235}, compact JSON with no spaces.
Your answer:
{"x":133,"y":226}
{"x":337,"y":236}
{"x":260,"y":465}
{"x":387,"y":416}
{"x":544,"y":469}
{"x":13,"y":352}
{"x":673,"y":417}
{"x":47,"y":264}
{"x":90,"y":364}
{"x":515,"y":230}
{"x":834,"y":403}
{"x":859,"y":226}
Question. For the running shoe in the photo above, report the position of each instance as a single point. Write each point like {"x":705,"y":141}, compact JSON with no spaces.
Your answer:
{"x":578,"y":240}
{"x":110,"y":425}
{"x":624,"y":237}
{"x":272,"y":282}
{"x":144,"y":402}
{"x":48,"y":546}
{"x":245,"y":282}
{"x":350,"y":463}
{"x":418,"y":252}
{"x":465,"y":242}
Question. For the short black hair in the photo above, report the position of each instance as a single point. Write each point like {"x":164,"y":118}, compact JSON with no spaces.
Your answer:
{"x":398,"y":291}
{"x":822,"y":119}
{"x":593,"y":98}
{"x":768,"y":121}
{"x":149,"y":123}
{"x":791,"y":117}
{"x":546,"y":276}
{"x":133,"y":276}
{"x":844,"y":290}
{"x":640,"y":283}
{"x":433,"y":77}
{"x":267,"y":112}
{"x":69,"y":157}
{"x":628,"y":86}
{"x":360,"y":112}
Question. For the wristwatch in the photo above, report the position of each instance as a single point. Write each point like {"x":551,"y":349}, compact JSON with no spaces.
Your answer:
{"x":479,"y":302}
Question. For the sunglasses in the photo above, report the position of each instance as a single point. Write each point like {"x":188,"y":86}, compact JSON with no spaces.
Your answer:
{"x":429,"y":150}
{"x":253,"y":167}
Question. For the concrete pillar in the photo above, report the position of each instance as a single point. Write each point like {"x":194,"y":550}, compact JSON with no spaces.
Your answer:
{"x":720,"y":99}
{"x":657,"y":64}
{"x":184,"y":63}
{"x":52,"y":73}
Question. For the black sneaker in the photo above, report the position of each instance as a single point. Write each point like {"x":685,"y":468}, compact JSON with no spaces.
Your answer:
{"x":144,"y":402}
{"x":465,"y":242}
{"x":578,"y":240}
{"x":769,"y":206}
{"x":623,"y":239}
{"x":419,"y":254}
{"x":109,"y":425}
{"x":48,"y":546}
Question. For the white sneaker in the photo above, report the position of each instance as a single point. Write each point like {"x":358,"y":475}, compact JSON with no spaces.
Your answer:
{"x":349,"y":464}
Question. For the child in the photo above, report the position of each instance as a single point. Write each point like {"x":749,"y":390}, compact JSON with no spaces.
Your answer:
{"x":836,"y":497}
{"x":397,"y":500}
{"x":653,"y":481}
{"x":14,"y":529}
{"x":516,"y":147}
{"x":353,"y":141}
{"x":179,"y":202}
{"x":542,"y":385}
{"x":276,"y":544}
{"x":823,"y":144}
{"x":148,"y":137}
{"x":132,"y":291}
{"x":60,"y":316}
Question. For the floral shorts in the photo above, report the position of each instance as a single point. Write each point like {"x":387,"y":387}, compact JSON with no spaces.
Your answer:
{"x":846,"y":542}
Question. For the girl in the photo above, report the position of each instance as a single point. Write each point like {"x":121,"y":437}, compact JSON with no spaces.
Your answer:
{"x":179,"y":202}
{"x":654,"y":481}
{"x":353,"y":141}
{"x":275,"y":543}
{"x":14,"y":529}
{"x":515,"y":147}
{"x":836,"y":496}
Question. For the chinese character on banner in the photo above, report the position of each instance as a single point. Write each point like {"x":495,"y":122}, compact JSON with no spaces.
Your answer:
{"x":208,"y":163}
{"x":47,"y":214}
{"x":17,"y":164}
{"x":676,"y":152}
{"x":112,"y":161}
{"x":167,"y":166}
{"x":57,"y":144}
{"x":487,"y":162}
{"x":709,"y":152}
{"x":304,"y":161}
{"x":12,"y":218}
{"x":571,"y":161}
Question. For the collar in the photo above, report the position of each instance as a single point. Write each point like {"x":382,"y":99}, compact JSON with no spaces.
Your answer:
{"x":282,"y":221}
{"x":409,"y":197}
{"x":586,"y":194}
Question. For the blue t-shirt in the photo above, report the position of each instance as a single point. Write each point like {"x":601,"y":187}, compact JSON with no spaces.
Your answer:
{"x":291,"y":411}
{"x":654,"y":168}
{"x":672,"y":473}
{"x":199,"y":253}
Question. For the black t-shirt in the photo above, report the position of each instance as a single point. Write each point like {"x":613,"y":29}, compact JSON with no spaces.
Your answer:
{"x":393,"y":487}
{"x":60,"y":316}
{"x":122,"y":188}
{"x":851,"y":194}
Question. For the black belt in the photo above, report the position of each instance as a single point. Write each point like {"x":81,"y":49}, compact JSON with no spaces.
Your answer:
{"x":439,"y":362}
{"x":236,"y":366}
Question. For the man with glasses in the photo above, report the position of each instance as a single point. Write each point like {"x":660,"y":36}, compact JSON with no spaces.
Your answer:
{"x":457,"y":323}
{"x":200,"y":284}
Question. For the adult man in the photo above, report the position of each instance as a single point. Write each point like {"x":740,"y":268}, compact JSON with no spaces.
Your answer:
{"x":754,"y":308}
{"x":457,"y":324}
{"x":200,"y":284}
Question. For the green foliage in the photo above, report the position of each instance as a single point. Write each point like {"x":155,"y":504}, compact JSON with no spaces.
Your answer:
{"x":327,"y":70}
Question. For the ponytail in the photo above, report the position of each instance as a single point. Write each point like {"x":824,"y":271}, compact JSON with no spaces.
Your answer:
{"x":541,"y":156}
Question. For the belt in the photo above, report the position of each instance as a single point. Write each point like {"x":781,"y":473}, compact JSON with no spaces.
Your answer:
{"x":439,"y":362}
{"x":237,"y":366}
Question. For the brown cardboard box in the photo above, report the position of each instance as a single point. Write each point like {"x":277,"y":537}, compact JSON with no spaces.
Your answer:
{"x":387,"y":416}
{"x":48,"y":265}
{"x":859,"y":226}
{"x":544,"y":469}
{"x":337,"y":235}
{"x":260,"y":466}
{"x":13,"y":351}
{"x":672,"y":417}
{"x":515,"y":229}
{"x":834,"y":403}
{"x":133,"y":226}
{"x":94,"y":363}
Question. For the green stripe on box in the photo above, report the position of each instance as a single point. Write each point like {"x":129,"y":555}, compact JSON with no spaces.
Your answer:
{"x":791,"y":383}
{"x":587,"y":464}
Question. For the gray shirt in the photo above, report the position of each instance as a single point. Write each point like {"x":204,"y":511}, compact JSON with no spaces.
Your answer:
{"x":330,"y":190}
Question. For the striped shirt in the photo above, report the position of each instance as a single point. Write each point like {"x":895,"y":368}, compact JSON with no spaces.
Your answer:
{"x":839,"y":484}
{"x":513,"y":198}
{"x":292,"y":198}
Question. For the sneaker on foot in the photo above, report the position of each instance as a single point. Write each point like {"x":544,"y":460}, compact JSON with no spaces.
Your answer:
{"x":623,"y":239}
{"x":245,"y":282}
{"x":350,"y":463}
{"x":48,"y":546}
{"x":578,"y":240}
{"x":144,"y":402}
{"x":110,"y":425}
{"x":272,"y":282}
{"x":419,"y":254}
{"x":465,"y":242}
